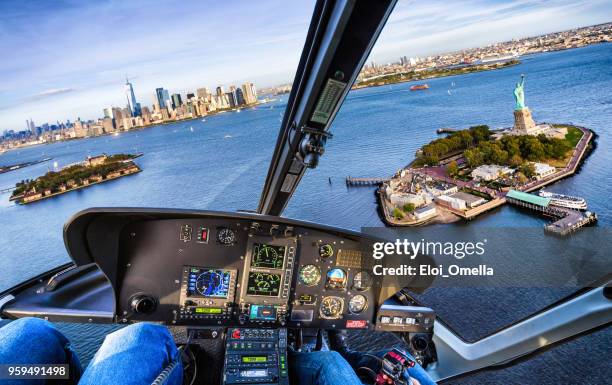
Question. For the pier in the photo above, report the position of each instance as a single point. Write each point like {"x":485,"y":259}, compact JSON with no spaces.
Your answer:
{"x":350,"y":181}
{"x":566,"y":220}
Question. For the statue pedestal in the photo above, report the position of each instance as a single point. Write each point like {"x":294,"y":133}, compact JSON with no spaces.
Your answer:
{"x":523,"y":122}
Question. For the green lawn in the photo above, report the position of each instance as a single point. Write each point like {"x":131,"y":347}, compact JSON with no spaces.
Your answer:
{"x":573,"y":135}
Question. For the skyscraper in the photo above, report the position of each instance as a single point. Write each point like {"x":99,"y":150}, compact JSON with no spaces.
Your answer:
{"x":131,"y":98}
{"x":176,"y":101}
{"x":240,"y":97}
{"x":203,"y":93}
{"x":163,"y":98}
{"x":250,"y":93}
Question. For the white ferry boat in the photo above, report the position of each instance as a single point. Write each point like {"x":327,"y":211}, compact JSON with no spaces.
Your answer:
{"x":561,"y":200}
{"x":498,"y":58}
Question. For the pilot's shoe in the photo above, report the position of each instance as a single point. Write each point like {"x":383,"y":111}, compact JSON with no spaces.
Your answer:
{"x":338,"y":341}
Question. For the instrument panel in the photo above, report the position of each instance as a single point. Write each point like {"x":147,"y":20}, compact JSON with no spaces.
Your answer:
{"x":242,"y":272}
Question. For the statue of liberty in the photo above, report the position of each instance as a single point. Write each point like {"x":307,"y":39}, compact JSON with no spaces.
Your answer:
{"x":519,"y":94}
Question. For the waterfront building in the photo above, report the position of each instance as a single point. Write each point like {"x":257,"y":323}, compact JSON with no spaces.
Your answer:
{"x":190,"y":95}
{"x":469,"y":200}
{"x":231,"y":99}
{"x":107,"y":125}
{"x":219,"y":91}
{"x":79,"y":130}
{"x":488,"y":172}
{"x":176,"y":101}
{"x":240,"y":97}
{"x":250,"y":93}
{"x":425,"y":212}
{"x":164,"y":113}
{"x":542,"y":170}
{"x":449,"y":201}
{"x":146,"y":115}
{"x":163,"y":98}
{"x":400,"y":199}
{"x":108,"y":112}
{"x":133,"y":105}
{"x":203,"y":93}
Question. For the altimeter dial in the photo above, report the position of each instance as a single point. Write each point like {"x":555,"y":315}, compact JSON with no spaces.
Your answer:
{"x":331,"y":307}
{"x":358,"y":303}
{"x":310,"y":275}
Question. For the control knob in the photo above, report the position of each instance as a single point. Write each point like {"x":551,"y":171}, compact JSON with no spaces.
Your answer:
{"x":143,"y":304}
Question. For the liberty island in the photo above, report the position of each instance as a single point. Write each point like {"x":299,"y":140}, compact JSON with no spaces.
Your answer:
{"x":473,"y":171}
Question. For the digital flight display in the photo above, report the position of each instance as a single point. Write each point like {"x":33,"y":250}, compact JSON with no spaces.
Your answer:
{"x":265,"y":284}
{"x":208,"y":282}
{"x":208,"y":310}
{"x":254,"y":359}
{"x":268,"y":256}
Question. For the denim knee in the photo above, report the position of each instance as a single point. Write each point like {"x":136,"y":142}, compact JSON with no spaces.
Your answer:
{"x":36,"y":341}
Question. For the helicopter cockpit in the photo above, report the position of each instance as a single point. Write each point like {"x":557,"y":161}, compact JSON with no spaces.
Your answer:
{"x":247,"y":287}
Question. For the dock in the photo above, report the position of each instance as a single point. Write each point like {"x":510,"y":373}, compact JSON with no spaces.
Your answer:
{"x":565,"y":221}
{"x":350,"y":181}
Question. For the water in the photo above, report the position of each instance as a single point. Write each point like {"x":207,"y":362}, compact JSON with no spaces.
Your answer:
{"x":220,"y":164}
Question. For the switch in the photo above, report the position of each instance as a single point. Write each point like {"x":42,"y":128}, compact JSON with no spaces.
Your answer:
{"x":236,"y":334}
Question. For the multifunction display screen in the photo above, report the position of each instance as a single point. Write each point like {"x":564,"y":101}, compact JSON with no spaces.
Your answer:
{"x":265,"y":284}
{"x":267,"y":256}
{"x":208,"y":282}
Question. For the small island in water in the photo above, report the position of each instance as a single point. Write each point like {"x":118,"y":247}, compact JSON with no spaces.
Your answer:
{"x":95,"y":169}
{"x":474,"y":170}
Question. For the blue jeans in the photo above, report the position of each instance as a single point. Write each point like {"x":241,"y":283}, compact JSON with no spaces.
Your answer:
{"x":331,"y":368}
{"x":137,"y":354}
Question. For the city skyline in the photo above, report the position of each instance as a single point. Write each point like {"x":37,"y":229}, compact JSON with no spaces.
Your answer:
{"x":76,"y":69}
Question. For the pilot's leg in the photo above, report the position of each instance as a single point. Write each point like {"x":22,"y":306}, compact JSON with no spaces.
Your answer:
{"x":321,"y":368}
{"x":137,"y":354}
{"x":359,"y":359}
{"x":36,"y":341}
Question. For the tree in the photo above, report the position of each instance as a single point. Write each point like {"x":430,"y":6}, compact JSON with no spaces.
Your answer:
{"x":452,"y":169}
{"x":408,"y":207}
{"x":521,"y":177}
{"x":473,"y":157}
{"x":516,"y":160}
{"x":527,"y":169}
{"x":397,"y":213}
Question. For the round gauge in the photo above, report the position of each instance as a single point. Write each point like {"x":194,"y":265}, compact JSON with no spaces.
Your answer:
{"x":310,"y":275}
{"x":326,"y":250}
{"x":362,"y":281}
{"x":226,"y":236}
{"x":331,"y":307}
{"x":358,"y":303}
{"x":336,"y":279}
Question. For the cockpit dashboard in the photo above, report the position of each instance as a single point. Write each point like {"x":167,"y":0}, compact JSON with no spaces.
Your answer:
{"x":213,"y":270}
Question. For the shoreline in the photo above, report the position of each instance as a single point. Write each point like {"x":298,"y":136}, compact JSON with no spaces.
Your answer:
{"x":140,"y":128}
{"x":459,"y":72}
{"x":20,"y":201}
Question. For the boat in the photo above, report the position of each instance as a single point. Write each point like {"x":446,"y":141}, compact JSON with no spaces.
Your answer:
{"x":498,"y":58}
{"x":418,"y":87}
{"x":567,"y":201}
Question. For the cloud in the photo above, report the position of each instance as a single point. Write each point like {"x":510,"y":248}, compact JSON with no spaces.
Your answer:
{"x":51,"y":92}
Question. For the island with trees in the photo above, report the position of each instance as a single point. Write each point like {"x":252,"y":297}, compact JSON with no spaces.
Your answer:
{"x":93,"y":170}
{"x":470,"y":171}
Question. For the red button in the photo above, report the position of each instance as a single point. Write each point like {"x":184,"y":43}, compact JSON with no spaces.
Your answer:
{"x":236,"y":334}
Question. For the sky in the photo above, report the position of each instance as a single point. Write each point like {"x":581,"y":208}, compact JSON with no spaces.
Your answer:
{"x":69,"y":58}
